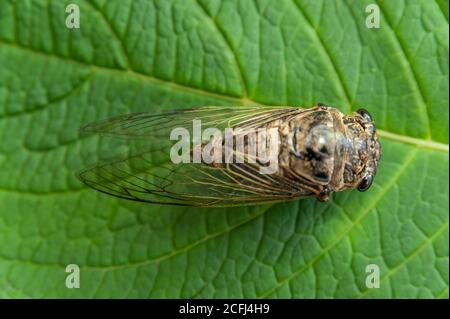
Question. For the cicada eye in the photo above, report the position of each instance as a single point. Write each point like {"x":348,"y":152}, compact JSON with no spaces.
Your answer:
{"x":365,"y":114}
{"x":365,"y":183}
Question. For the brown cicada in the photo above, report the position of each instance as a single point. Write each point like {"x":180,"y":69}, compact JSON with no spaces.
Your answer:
{"x":225,"y":156}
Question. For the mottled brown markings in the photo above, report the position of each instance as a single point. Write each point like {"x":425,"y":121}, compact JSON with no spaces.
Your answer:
{"x":321,"y":151}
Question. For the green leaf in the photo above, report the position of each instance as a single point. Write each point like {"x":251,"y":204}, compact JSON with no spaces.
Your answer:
{"x":137,"y":55}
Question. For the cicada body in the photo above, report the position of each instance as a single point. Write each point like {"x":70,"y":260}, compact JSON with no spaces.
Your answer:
{"x":227,"y":156}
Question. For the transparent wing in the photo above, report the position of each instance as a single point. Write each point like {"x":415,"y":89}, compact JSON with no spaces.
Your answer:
{"x":159,"y":124}
{"x":147,"y":174}
{"x":137,"y":178}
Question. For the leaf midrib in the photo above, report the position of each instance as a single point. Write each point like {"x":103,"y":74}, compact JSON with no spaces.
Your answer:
{"x":419,"y":142}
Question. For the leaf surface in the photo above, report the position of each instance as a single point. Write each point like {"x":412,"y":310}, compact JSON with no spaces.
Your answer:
{"x":137,"y":55}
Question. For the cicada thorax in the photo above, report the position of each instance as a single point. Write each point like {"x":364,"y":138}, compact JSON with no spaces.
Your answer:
{"x":313,"y":149}
{"x":328,"y":151}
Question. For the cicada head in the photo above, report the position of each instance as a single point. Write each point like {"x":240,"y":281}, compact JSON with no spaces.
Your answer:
{"x":364,"y":150}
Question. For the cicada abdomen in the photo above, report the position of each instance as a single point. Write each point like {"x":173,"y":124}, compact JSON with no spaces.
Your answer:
{"x":225,"y":156}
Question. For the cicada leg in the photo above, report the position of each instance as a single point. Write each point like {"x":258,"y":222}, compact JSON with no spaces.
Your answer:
{"x":323,"y":196}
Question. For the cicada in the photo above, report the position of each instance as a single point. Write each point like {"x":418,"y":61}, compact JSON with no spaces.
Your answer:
{"x":317,"y":151}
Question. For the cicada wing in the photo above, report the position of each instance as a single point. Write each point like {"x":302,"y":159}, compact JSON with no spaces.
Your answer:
{"x":157,"y":124}
{"x":140,"y":178}
{"x":146,"y":172}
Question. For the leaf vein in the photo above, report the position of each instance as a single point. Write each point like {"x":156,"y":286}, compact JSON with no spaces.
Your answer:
{"x":410,"y":159}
